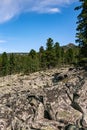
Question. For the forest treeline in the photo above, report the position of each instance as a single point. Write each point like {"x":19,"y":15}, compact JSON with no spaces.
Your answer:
{"x":52,"y":56}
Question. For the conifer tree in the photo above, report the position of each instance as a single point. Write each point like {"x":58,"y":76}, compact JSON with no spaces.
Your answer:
{"x":50,"y":54}
{"x":57,"y":53}
{"x":33,"y":61}
{"x":82,"y":28}
{"x":62,"y":55}
{"x":42,"y":57}
{"x":4,"y":63}
{"x":11,"y":63}
{"x":69,"y":56}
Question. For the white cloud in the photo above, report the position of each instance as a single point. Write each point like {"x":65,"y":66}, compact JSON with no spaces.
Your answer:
{"x":53,"y":10}
{"x":12,"y":8}
{"x":3,"y":41}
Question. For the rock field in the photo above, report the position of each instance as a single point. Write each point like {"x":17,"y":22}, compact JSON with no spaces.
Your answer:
{"x":46,"y":100}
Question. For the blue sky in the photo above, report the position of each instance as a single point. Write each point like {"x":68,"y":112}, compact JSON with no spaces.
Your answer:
{"x":27,"y":24}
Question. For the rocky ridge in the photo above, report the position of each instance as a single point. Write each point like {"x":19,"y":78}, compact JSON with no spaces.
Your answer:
{"x":46,"y":100}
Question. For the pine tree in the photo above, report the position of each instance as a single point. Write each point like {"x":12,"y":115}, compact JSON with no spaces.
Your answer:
{"x":4,"y":63}
{"x":33,"y":61}
{"x":32,"y":53}
{"x":42,"y":57}
{"x":57,"y":53}
{"x":69,"y":56}
{"x":82,"y":28}
{"x":11,"y":64}
{"x":50,"y":54}
{"x":62,"y":56}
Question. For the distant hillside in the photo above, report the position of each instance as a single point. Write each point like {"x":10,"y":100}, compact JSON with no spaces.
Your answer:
{"x":68,"y":46}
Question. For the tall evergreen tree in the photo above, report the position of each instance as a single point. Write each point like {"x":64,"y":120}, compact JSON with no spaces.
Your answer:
{"x":4,"y":63}
{"x":42,"y":57}
{"x":57,"y":53}
{"x":33,"y":61}
{"x":62,"y":55}
{"x":50,"y":55}
{"x":69,"y":56}
{"x":11,"y":64}
{"x":32,"y":53}
{"x":82,"y":27}
{"x":18,"y":63}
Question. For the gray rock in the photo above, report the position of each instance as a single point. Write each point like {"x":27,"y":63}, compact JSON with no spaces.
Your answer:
{"x":58,"y":100}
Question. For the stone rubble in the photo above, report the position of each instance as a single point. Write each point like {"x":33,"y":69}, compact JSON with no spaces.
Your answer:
{"x":48,"y":100}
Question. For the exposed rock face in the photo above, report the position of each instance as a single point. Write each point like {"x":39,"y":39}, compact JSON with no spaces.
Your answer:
{"x":47,"y":100}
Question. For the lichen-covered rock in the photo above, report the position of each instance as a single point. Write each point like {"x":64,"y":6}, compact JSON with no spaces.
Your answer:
{"x":49,"y":128}
{"x":47,"y":100}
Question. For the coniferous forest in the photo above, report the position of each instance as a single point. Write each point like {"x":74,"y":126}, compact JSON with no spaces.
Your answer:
{"x":53,"y":56}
